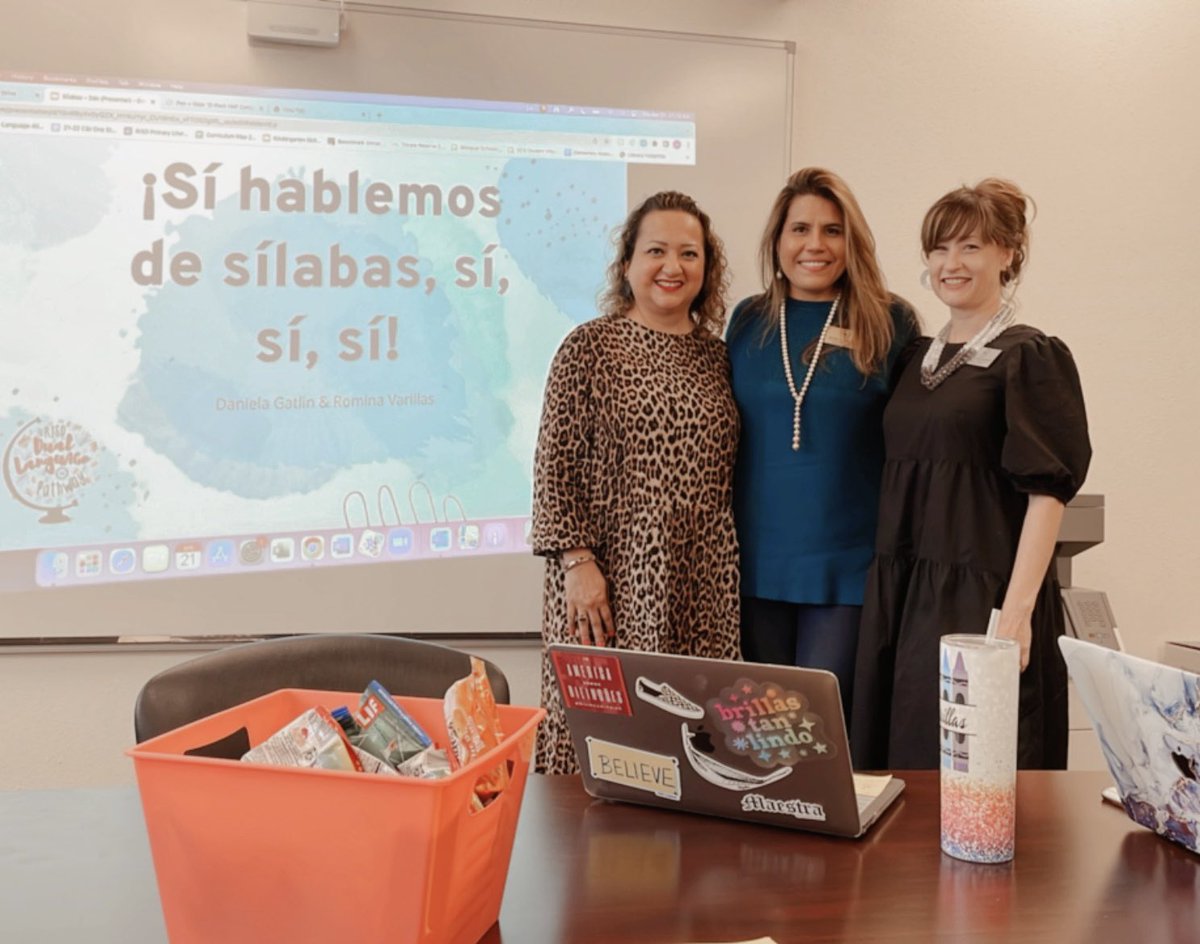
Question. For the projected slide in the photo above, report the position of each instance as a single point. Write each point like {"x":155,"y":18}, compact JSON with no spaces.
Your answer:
{"x":252,"y":328}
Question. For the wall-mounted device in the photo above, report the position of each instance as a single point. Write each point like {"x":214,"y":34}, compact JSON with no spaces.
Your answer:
{"x":308,"y":24}
{"x":1089,"y":615}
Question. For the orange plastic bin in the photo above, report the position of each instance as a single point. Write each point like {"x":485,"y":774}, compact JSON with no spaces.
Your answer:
{"x":249,"y":853}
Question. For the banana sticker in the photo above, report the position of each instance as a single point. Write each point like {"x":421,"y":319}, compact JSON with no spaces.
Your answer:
{"x":722,"y":775}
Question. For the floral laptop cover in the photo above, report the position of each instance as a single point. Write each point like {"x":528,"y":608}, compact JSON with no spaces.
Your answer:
{"x":1147,"y":717}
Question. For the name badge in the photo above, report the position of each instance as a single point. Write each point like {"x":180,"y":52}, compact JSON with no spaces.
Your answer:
{"x":984,"y":357}
{"x":839,"y":337}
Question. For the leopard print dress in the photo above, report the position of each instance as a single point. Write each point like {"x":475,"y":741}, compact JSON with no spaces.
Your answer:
{"x":635,"y":460}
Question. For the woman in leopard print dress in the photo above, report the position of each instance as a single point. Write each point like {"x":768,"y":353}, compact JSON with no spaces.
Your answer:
{"x":634,"y":464}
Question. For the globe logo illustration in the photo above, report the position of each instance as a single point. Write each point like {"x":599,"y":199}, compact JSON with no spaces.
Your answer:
{"x":48,"y":465}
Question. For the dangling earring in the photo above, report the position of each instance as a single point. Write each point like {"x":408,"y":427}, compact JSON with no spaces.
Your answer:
{"x":1008,"y":288}
{"x":925,"y":280}
{"x":779,"y":275}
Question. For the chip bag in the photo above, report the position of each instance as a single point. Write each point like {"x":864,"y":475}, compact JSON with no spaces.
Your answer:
{"x":473,"y":725}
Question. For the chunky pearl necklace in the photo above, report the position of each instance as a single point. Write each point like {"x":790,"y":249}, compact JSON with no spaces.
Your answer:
{"x":798,"y":395}
{"x":932,"y":375}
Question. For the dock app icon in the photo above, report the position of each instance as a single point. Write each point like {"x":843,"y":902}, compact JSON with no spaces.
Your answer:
{"x":370,"y":543}
{"x":122,"y":560}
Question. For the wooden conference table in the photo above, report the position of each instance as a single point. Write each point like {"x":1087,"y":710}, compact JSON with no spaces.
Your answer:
{"x":75,"y":866}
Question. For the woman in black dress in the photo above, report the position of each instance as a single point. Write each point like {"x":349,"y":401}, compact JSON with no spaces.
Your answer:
{"x":986,"y":440}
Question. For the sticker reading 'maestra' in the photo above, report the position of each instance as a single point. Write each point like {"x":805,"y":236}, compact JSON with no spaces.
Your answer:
{"x":631,"y":767}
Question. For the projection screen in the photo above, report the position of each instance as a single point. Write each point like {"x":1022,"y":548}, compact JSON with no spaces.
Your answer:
{"x":275,"y":319}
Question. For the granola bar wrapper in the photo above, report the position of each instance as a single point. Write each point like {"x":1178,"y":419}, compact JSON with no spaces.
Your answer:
{"x":431,"y":764}
{"x":373,"y":765}
{"x":388,"y":731}
{"x":313,"y":739}
{"x":473,"y":725}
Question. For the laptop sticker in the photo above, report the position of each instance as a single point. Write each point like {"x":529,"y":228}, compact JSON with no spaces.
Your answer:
{"x":1183,"y":801}
{"x":801,"y":809}
{"x":634,"y":767}
{"x":695,"y":747}
{"x":592,"y":682}
{"x":663,"y":696}
{"x":770,"y":725}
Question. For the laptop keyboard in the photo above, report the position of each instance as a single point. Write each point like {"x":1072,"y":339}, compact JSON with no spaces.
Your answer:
{"x":867,"y":787}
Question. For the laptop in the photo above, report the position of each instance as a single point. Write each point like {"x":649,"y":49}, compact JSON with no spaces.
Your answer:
{"x":741,"y":740}
{"x":1147,"y":718}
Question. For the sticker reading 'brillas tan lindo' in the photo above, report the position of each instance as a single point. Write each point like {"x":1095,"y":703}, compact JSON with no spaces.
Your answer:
{"x":770,"y":725}
{"x":635,"y":768}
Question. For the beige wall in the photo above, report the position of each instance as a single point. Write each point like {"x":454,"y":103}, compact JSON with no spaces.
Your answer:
{"x":1091,"y":105}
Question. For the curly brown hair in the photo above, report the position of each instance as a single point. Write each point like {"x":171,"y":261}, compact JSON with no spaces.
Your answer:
{"x":708,"y":308}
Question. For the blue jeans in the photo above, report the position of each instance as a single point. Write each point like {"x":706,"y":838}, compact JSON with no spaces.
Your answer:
{"x":811,"y":635}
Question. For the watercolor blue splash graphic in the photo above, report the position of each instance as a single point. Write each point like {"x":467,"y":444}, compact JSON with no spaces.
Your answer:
{"x":204,"y":397}
{"x":556,"y":223}
{"x":36,"y":216}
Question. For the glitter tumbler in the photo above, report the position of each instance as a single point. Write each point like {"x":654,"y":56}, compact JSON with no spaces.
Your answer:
{"x":977,"y":685}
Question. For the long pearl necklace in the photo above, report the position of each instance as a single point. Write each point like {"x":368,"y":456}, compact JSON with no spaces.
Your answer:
{"x":798,"y":395}
{"x":932,"y":375}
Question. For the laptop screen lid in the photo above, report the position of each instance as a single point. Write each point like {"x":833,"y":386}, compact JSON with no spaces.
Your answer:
{"x":746,"y":741}
{"x":1147,"y":719}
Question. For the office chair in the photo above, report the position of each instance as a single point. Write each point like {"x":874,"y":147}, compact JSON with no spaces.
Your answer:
{"x":341,"y":662}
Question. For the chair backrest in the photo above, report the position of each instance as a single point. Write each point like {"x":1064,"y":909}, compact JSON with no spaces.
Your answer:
{"x":332,"y":662}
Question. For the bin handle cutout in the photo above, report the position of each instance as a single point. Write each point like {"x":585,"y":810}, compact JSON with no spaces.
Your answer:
{"x":231,"y":747}
{"x":498,"y":795}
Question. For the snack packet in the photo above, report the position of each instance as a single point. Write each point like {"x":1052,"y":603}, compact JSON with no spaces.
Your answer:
{"x":342,"y":716}
{"x":388,"y":731}
{"x":473,"y":725}
{"x":373,"y":765}
{"x":432,"y":764}
{"x":313,"y":739}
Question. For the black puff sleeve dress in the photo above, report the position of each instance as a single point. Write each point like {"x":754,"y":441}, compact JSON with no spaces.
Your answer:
{"x":961,"y":463}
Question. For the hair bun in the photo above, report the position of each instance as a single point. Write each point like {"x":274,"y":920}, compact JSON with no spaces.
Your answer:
{"x":1007,"y":195}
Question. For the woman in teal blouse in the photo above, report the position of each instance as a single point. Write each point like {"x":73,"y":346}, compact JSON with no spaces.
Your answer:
{"x":806,"y":486}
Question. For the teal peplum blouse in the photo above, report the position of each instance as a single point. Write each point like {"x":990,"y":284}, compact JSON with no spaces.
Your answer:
{"x":806,"y":520}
